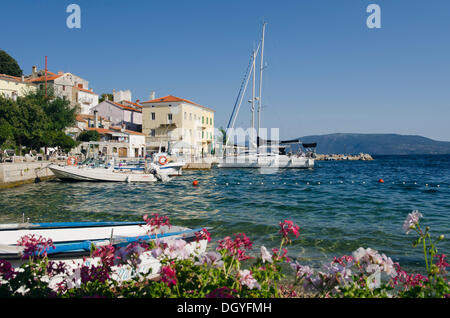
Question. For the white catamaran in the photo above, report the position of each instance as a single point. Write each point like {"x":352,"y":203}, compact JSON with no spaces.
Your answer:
{"x":262,"y":153}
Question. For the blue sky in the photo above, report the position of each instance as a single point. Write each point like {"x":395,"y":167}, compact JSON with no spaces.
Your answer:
{"x":326,"y":71}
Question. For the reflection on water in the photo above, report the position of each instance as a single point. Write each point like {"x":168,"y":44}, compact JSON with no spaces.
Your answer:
{"x":348,"y":209}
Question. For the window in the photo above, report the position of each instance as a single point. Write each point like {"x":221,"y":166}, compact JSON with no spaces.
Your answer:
{"x":203,"y":120}
{"x":153,"y":116}
{"x":185,"y":115}
{"x":169,"y":116}
{"x":203,"y":135}
{"x":152,"y":132}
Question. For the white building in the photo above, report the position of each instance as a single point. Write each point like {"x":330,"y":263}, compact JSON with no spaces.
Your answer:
{"x":87,"y":99}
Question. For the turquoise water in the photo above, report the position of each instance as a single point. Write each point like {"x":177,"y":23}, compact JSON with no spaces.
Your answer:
{"x":348,"y":209}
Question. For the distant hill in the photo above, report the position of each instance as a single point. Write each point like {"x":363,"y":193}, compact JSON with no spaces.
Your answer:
{"x":377,"y":144}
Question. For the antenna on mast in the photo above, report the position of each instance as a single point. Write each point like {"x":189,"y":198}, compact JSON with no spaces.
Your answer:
{"x":46,"y":76}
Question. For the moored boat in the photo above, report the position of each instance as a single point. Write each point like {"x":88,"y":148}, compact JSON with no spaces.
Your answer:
{"x":107,"y":174}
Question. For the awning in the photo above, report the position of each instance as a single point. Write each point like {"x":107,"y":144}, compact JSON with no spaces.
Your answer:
{"x":119,"y":134}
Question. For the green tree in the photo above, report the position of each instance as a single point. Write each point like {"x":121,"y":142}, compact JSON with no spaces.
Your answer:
{"x":35,"y":121}
{"x":89,"y":135}
{"x":8,"y":65}
{"x":103,"y":97}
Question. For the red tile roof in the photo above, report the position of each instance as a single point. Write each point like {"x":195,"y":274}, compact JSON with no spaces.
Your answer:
{"x":171,"y":98}
{"x":10,"y":78}
{"x":84,"y":117}
{"x":85,"y":90}
{"x":128,"y":102}
{"x":132,"y":132}
{"x":50,"y":77}
{"x":102,"y":131}
{"x":124,"y":107}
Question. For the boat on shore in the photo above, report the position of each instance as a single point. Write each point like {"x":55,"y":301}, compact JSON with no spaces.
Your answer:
{"x":90,"y":170}
{"x":74,"y":241}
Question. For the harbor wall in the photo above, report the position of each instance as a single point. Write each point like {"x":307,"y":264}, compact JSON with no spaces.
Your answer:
{"x":17,"y":173}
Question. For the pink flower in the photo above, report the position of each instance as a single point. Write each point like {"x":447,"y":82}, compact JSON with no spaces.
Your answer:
{"x":408,"y":280}
{"x":156,"y":221}
{"x":168,"y":275}
{"x":442,"y":264}
{"x":288,"y":227}
{"x":237,"y":247}
{"x":6,"y":270}
{"x":411,"y":221}
{"x":56,"y":268}
{"x":246,"y":279}
{"x":35,"y":246}
{"x":107,"y":255}
{"x":202,"y":235}
{"x":223,"y":292}
{"x":278,"y":256}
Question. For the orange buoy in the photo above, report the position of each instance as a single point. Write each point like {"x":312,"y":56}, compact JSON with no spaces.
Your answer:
{"x":381,"y":181}
{"x":195,"y":183}
{"x":163,"y":160}
{"x":72,"y":161}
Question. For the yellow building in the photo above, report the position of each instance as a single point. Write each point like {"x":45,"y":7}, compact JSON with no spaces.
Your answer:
{"x":12,"y":86}
{"x":179,"y":125}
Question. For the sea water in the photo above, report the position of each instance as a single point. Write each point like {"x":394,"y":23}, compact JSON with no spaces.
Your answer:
{"x":339,"y":206}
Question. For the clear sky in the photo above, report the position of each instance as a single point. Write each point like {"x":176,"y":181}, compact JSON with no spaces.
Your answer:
{"x":326,"y":70}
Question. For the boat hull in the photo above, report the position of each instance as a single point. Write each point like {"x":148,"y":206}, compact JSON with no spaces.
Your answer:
{"x":76,"y":173}
{"x":275,"y":162}
{"x":73,"y":242}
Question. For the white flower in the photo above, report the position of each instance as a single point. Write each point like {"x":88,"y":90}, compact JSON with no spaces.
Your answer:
{"x":211,"y":259}
{"x":265,"y":255}
{"x":302,"y":271}
{"x":411,"y":221}
{"x":246,"y":278}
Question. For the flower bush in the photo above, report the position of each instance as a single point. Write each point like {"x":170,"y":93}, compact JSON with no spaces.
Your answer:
{"x":176,"y":268}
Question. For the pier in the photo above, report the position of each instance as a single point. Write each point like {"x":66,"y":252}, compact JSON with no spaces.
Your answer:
{"x":18,"y":173}
{"x":361,"y":156}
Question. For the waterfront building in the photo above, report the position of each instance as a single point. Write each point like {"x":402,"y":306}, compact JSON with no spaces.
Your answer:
{"x":84,"y":121}
{"x":116,"y":142}
{"x":85,"y":98}
{"x":13,"y":87}
{"x":67,"y":86}
{"x":120,"y":114}
{"x":179,"y":125}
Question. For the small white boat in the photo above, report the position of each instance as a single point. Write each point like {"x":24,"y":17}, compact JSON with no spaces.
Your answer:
{"x":73,"y":242}
{"x":77,"y":237}
{"x":266,"y":161}
{"x":167,"y":164}
{"x":107,"y":174}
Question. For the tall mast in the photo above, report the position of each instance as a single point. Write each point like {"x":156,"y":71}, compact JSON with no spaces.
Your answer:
{"x":253,"y":99}
{"x":46,"y":76}
{"x":260,"y":82}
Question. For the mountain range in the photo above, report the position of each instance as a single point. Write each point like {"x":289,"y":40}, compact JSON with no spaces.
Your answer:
{"x":376,"y":144}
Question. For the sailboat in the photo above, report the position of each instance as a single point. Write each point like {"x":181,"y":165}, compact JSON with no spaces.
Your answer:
{"x":262,"y":153}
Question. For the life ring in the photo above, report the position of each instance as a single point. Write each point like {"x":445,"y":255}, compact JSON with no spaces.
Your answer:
{"x":164,"y":161}
{"x":72,"y":161}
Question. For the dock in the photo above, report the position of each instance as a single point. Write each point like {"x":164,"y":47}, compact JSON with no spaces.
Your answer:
{"x":17,"y":173}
